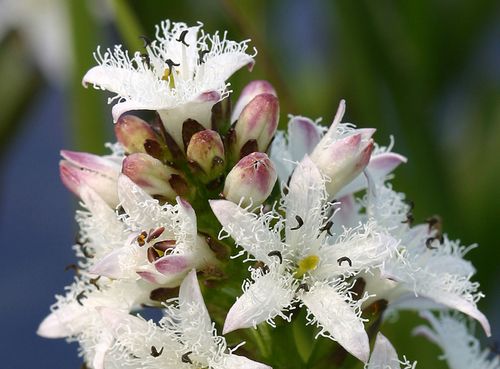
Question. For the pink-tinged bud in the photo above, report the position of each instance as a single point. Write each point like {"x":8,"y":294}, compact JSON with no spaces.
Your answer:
{"x":151,"y":175}
{"x":132,"y":132}
{"x":206,"y":150}
{"x":252,"y":179}
{"x":251,"y":90}
{"x":256,"y":125}
{"x":343,"y":159}
{"x":80,"y":170}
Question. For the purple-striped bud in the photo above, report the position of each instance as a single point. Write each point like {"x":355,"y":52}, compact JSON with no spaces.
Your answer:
{"x":251,"y":90}
{"x":151,"y":175}
{"x":256,"y":125}
{"x":81,"y":169}
{"x":252,"y":180}
{"x":206,"y":150}
{"x":132,"y":133}
{"x":343,"y":159}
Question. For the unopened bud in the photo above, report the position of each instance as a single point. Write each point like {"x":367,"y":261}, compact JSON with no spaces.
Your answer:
{"x":256,"y":125}
{"x":132,"y":133}
{"x":80,"y":169}
{"x":207,"y":151}
{"x":252,"y":180}
{"x":151,"y":175}
{"x":343,"y":159}
{"x":251,"y":90}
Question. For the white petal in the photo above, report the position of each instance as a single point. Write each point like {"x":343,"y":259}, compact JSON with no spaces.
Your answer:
{"x":190,"y":296}
{"x":239,"y":362}
{"x":303,"y":136}
{"x":188,"y":216}
{"x":264,"y":299}
{"x":58,"y":324}
{"x":220,"y":67}
{"x":339,"y":319}
{"x":122,"y":107}
{"x":110,"y":78}
{"x":109,"y":265}
{"x":103,"y":345}
{"x":247,"y":230}
{"x":305,"y":199}
{"x":384,"y":355}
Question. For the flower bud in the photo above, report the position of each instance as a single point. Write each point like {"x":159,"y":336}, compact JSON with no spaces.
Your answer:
{"x":256,"y":125}
{"x":132,"y":133}
{"x":151,"y":175}
{"x":252,"y":180}
{"x":80,"y":169}
{"x":251,"y":90}
{"x":207,"y":151}
{"x":343,"y":159}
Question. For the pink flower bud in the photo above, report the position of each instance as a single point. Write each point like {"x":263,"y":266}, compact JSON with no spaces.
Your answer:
{"x":132,"y":132}
{"x":80,"y":169}
{"x":343,"y":159}
{"x":251,"y":90}
{"x":252,"y":180}
{"x":207,"y":151}
{"x":256,"y":125}
{"x":151,"y":175}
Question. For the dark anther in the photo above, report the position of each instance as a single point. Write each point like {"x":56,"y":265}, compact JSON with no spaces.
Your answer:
{"x":141,"y":239}
{"x":73,"y":267}
{"x":327,"y":227}
{"x":153,"y":255}
{"x":153,"y":235}
{"x":164,"y":245}
{"x":300,"y":223}
{"x":202,"y":54}
{"x":146,"y":40}
{"x":430,"y":240}
{"x":145,"y":58}
{"x":435,"y":223}
{"x":260,"y":265}
{"x":303,"y":286}
{"x":278,"y":254}
{"x":155,"y":352}
{"x":182,"y":37}
{"x":80,"y":297}
{"x":93,"y":282}
{"x":171,"y":64}
{"x":344,"y":258}
{"x":409,"y":215}
{"x":185,"y":357}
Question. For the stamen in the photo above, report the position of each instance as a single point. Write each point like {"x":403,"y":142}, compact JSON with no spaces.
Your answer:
{"x":185,"y":357}
{"x":202,"y":54}
{"x":164,"y":245}
{"x":146,"y":39}
{"x":81,"y":296}
{"x":141,"y":239}
{"x":300,"y":222}
{"x":85,"y":252}
{"x":327,"y":227}
{"x":74,"y":267}
{"x":155,"y":234}
{"x":182,"y":37}
{"x":93,"y":282}
{"x":153,"y":255}
{"x":155,"y":352}
{"x":278,"y":254}
{"x":262,"y":266}
{"x":409,"y":215}
{"x":171,"y":64}
{"x":430,"y":240}
{"x":344,"y":258}
{"x":434,"y":222}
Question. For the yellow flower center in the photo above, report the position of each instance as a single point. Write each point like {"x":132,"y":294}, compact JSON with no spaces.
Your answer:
{"x":306,"y":265}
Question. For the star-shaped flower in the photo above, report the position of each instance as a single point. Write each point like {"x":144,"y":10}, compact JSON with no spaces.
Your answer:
{"x":184,"y":338}
{"x":307,"y":266}
{"x":181,"y":75}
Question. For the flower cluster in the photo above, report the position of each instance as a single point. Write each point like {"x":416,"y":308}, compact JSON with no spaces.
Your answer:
{"x":189,"y":215}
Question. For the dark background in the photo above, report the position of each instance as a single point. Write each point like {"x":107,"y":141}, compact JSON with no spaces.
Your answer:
{"x":427,"y":72}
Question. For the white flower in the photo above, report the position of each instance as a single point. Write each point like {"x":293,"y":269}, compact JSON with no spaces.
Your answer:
{"x":429,"y":270}
{"x":76,"y":315}
{"x":184,"y":338}
{"x":307,"y":266}
{"x":384,"y":356}
{"x":461,"y":349}
{"x":161,"y":241}
{"x":182,"y":75}
{"x":340,"y":152}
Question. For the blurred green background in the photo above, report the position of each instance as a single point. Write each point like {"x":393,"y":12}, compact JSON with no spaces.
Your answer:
{"x":427,"y":72}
